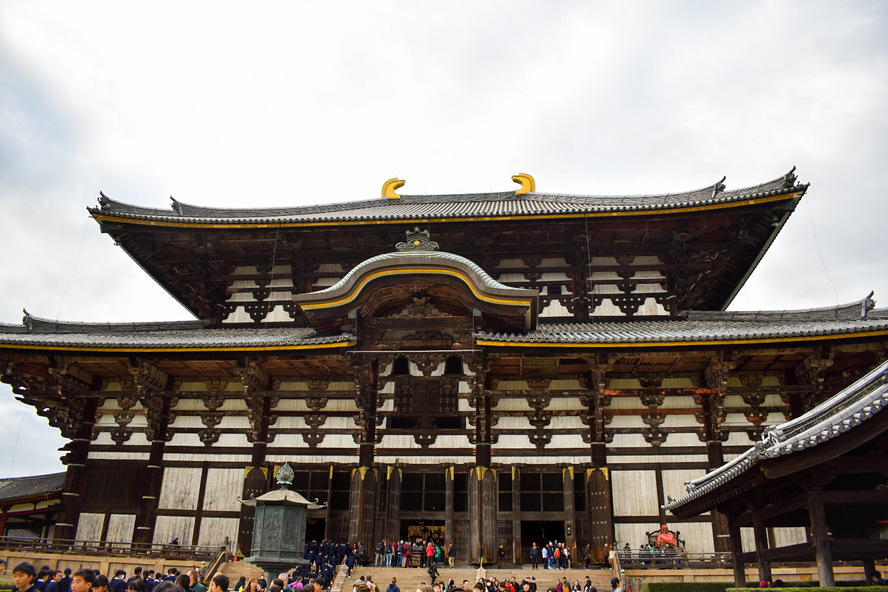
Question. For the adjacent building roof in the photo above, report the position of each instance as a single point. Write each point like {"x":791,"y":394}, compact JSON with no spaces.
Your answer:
{"x":27,"y":488}
{"x":178,"y":335}
{"x":474,"y":205}
{"x":853,"y":406}
{"x":702,"y":328}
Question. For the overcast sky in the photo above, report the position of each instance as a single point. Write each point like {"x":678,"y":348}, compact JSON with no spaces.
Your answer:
{"x":283,"y":103}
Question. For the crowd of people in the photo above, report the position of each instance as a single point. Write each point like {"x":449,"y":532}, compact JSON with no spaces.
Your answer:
{"x":27,"y":578}
{"x":418,"y":553}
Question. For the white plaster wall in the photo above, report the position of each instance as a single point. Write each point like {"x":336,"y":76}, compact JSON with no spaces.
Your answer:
{"x":628,"y":440}
{"x":513,"y":423}
{"x":679,"y":421}
{"x":790,"y":536}
{"x":121,"y":528}
{"x":179,"y":489}
{"x":119,"y":455}
{"x":554,"y":309}
{"x":222,"y":490}
{"x":634,"y":534}
{"x":697,"y":536}
{"x":89,"y":527}
{"x":214,"y":530}
{"x":663,"y":458}
{"x":681,"y":440}
{"x":567,"y":422}
{"x":674,"y":480}
{"x":209,"y":456}
{"x":566,"y":441}
{"x":634,"y":493}
{"x":168,"y":528}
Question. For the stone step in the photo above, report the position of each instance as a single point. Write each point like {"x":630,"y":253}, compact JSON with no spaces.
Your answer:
{"x":408,"y":579}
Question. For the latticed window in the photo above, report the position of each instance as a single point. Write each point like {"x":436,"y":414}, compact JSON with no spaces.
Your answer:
{"x":423,"y":492}
{"x":541,"y":492}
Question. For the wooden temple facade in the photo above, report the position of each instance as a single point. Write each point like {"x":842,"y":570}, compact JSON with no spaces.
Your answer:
{"x":490,"y":368}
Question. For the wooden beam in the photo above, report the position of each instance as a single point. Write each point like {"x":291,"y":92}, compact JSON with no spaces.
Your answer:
{"x":768,"y":513}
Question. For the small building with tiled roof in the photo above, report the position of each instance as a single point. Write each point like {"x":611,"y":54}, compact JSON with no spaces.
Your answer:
{"x":28,"y":505}
{"x":825,"y":471}
{"x":486,"y":369}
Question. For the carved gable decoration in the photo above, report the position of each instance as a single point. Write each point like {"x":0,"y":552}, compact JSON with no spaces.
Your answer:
{"x":419,"y":282}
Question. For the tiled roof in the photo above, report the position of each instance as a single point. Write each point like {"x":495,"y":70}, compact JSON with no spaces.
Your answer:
{"x":837,"y":415}
{"x":451,"y":206}
{"x":432,"y":257}
{"x":708,"y":326}
{"x":186,"y":334}
{"x":27,"y":487}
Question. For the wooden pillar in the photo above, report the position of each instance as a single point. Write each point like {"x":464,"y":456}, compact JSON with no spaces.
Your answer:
{"x":720,"y":531}
{"x":365,"y":479}
{"x":449,"y":537}
{"x":255,"y":484}
{"x":820,"y":537}
{"x":362,"y":498}
{"x":76,"y":478}
{"x":599,"y":504}
{"x":761,"y":546}
{"x":4,"y":513}
{"x":736,"y":543}
{"x":157,"y":409}
{"x":482,"y":514}
{"x":869,"y":568}
{"x":570,"y":514}
{"x":517,"y":551}
{"x":256,"y":474}
{"x":393,"y":504}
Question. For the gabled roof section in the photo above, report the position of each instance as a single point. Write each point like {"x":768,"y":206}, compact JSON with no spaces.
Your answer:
{"x":456,"y":206}
{"x":856,"y":405}
{"x":29,"y":488}
{"x":709,"y":328}
{"x":421,"y":263}
{"x":177,"y":336}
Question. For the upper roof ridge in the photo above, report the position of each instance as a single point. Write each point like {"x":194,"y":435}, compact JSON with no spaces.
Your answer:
{"x":857,"y":309}
{"x":405,"y":206}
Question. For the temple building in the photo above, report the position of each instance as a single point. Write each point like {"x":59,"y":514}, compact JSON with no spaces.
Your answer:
{"x":496,"y":368}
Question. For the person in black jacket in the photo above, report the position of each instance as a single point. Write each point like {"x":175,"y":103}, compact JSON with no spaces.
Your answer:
{"x":500,"y":555}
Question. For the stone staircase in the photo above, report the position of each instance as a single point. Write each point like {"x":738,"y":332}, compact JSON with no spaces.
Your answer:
{"x":410,"y":578}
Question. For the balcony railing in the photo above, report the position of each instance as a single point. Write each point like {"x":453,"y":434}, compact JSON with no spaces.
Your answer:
{"x":190,"y":552}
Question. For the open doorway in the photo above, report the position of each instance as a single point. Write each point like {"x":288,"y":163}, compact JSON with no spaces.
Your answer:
{"x":315,"y":529}
{"x":539,"y":532}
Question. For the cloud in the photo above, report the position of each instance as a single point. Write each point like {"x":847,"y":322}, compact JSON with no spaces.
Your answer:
{"x":236,"y":105}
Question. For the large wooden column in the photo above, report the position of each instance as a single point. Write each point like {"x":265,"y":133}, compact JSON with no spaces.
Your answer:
{"x":83,"y":414}
{"x":365,"y":479}
{"x":158,"y":412}
{"x":482,"y":514}
{"x":713,"y":416}
{"x":393,"y":504}
{"x":483,"y":493}
{"x":820,"y":537}
{"x":599,"y":494}
{"x":449,"y":474}
{"x":736,"y":553}
{"x":516,"y":516}
{"x":362,"y":499}
{"x":256,"y":383}
{"x":599,"y":505}
{"x":150,"y":383}
{"x":570,"y":514}
{"x":720,"y":530}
